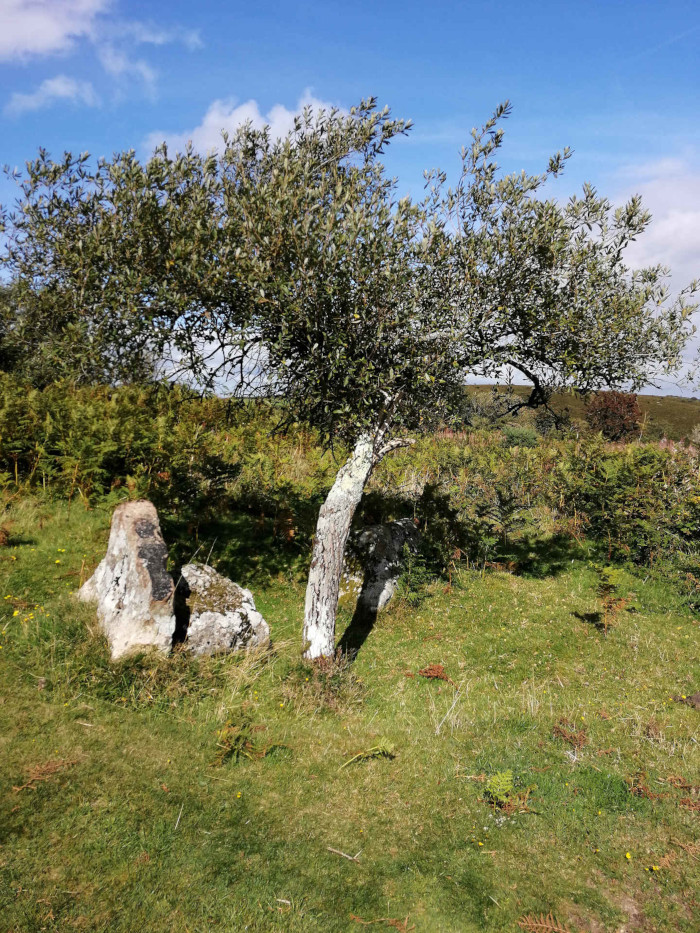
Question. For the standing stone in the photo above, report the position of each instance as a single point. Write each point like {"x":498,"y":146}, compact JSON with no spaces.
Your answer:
{"x":222,"y":615}
{"x":380,"y":550}
{"x":131,"y":586}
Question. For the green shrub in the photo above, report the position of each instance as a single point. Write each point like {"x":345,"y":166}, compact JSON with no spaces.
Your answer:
{"x":518,"y":436}
{"x":474,"y":496}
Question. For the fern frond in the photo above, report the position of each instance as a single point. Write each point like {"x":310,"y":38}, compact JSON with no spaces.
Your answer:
{"x":542,"y":924}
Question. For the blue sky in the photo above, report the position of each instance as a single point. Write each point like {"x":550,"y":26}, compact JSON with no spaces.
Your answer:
{"x":617,"y":81}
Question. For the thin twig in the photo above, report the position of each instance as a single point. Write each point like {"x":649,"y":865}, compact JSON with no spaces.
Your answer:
{"x":454,"y":703}
{"x":351,"y":858}
{"x":178,"y":817}
{"x":210,"y":550}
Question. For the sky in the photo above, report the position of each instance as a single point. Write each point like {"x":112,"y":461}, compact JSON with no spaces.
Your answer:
{"x":616,"y":80}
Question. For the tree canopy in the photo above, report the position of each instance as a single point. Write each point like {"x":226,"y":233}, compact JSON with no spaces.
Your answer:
{"x":291,"y":266}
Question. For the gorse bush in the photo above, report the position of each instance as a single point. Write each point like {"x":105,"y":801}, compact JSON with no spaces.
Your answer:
{"x":517,"y":436}
{"x":640,"y":501}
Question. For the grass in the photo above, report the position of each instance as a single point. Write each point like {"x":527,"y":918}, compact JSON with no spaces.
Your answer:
{"x":136,"y":817}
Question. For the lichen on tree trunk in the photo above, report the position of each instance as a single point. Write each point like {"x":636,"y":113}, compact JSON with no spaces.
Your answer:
{"x":332,"y":531}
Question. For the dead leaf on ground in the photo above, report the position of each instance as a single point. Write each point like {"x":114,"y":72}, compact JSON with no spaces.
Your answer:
{"x":676,"y":780}
{"x":44,"y":772}
{"x":566,"y":730}
{"x":542,"y":924}
{"x":638,"y":787}
{"x":436,"y":672}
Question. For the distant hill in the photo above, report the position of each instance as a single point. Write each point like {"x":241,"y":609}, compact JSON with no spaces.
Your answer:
{"x":672,"y":416}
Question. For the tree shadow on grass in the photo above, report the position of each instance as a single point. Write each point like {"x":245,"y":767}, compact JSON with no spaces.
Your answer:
{"x":540,"y":557}
{"x":257,"y":539}
{"x":358,"y":630}
{"x":537,"y":558}
{"x":591,"y":618}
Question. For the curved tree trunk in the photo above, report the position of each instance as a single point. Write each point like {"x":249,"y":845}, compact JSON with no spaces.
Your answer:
{"x":332,"y":530}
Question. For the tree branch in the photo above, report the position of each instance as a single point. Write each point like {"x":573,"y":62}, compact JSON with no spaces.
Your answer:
{"x":394,"y":444}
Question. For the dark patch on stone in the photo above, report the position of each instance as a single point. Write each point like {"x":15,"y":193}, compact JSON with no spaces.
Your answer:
{"x":145,"y":528}
{"x":154,"y":554}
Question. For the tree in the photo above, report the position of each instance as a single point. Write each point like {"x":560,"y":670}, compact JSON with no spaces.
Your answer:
{"x":291,"y":267}
{"x":110,"y":268}
{"x":615,"y":414}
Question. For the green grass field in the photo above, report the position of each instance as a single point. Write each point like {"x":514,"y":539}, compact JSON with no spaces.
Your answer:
{"x":176,"y":795}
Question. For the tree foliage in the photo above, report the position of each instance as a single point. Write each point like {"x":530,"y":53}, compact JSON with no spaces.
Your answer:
{"x":291,"y":266}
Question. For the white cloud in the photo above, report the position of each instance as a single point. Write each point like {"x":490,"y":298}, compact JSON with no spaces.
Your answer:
{"x":33,"y":28}
{"x":53,"y":89}
{"x":670,"y":190}
{"x":44,"y":27}
{"x":119,"y":64}
{"x":228,"y":115}
{"x":150,"y":34}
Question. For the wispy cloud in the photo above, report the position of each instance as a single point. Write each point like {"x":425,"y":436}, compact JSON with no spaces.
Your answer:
{"x":121,"y":65}
{"x":41,"y":28}
{"x":60,"y":88}
{"x":151,"y":34}
{"x":644,"y":54}
{"x":227,"y":114}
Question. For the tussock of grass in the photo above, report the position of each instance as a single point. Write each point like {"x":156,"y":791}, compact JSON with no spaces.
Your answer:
{"x":145,"y":831}
{"x":325,"y":685}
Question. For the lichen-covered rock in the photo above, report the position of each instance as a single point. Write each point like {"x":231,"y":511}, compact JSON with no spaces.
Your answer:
{"x":222,"y":615}
{"x":131,"y":586}
{"x":375,"y":562}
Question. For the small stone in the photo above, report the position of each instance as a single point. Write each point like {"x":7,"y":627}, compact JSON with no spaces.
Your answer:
{"x":222,"y":615}
{"x":131,"y":586}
